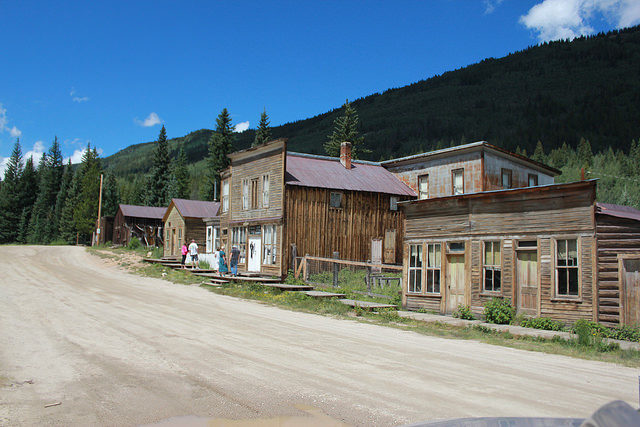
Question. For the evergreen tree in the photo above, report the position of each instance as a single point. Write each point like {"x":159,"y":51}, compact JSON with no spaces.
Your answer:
{"x":220,"y":145}
{"x":263,"y":133}
{"x":10,"y":205}
{"x":61,"y":199}
{"x":66,"y":223}
{"x":180,"y":177}
{"x":345,"y":129}
{"x":110,"y":196}
{"x":28,"y":194}
{"x":538,"y":154}
{"x":158,"y":180}
{"x":86,"y":207}
{"x":585,"y":155}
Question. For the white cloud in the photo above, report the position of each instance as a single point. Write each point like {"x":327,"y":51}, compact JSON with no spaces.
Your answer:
{"x":151,"y":120}
{"x":76,"y":157}
{"x":15,"y":132}
{"x":242,"y":126}
{"x":490,"y":6}
{"x":77,"y":99}
{"x":36,"y":152}
{"x":4,"y":162}
{"x":566,"y":19}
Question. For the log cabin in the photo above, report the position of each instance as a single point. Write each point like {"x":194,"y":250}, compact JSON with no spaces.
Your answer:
{"x":551,"y":250}
{"x":183,"y":221}
{"x":274,"y":200}
{"x":143,"y":222}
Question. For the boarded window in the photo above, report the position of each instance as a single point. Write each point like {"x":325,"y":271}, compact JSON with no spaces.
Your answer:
{"x":415,"y":268}
{"x":245,"y":194}
{"x":457,"y":177}
{"x":434,"y":260}
{"x":265,"y":191}
{"x":492,"y":267}
{"x":533,"y":180}
{"x":269,"y":244}
{"x":423,"y":187}
{"x":507,"y":178}
{"x":567,"y":267}
{"x":225,"y":195}
{"x":254,"y":193}
{"x":336,"y":200}
{"x":393,"y":203}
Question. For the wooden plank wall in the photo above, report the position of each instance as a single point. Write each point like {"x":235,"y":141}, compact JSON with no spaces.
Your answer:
{"x":614,"y":236}
{"x":319,"y":230}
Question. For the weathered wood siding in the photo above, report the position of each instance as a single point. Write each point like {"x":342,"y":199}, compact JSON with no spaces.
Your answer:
{"x":319,"y":230}
{"x":173,"y":226}
{"x":120,"y":232}
{"x":614,"y":236}
{"x":493,"y":165}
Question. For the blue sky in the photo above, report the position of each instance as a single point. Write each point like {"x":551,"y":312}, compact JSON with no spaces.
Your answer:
{"x":110,"y":73}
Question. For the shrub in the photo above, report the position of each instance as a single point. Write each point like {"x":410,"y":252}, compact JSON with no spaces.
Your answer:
{"x":134,"y":243}
{"x":584,"y":331}
{"x":463,"y":312}
{"x":157,"y":252}
{"x":542,"y":323}
{"x":499,"y":311}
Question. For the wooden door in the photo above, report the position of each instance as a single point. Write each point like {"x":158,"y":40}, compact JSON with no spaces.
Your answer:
{"x":630,"y":290}
{"x":174,"y":243}
{"x":254,"y":253}
{"x":390,"y":247}
{"x":455,"y":282}
{"x":527,"y":281}
{"x":376,"y":251}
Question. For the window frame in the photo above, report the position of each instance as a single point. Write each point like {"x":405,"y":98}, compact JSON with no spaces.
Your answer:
{"x":245,"y":194}
{"x":535,"y":176}
{"x":239,"y":238}
{"x":209,"y":239}
{"x":491,"y":267}
{"x":269,"y":243}
{"x":265,"y":190}
{"x":431,"y":270}
{"x":225,"y":195}
{"x":422,"y":178}
{"x":453,"y":181}
{"x":254,"y":193}
{"x":418,"y":269}
{"x":393,"y":203}
{"x":506,"y":172}
{"x":331,"y":193}
{"x":556,"y":294}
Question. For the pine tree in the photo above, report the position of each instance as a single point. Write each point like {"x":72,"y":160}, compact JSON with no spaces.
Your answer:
{"x":585,"y":155}
{"x":180,"y":177}
{"x":110,"y":196}
{"x":61,"y":199}
{"x":158,"y":179}
{"x":345,"y":129}
{"x":66,"y":223}
{"x":538,"y":154}
{"x":28,"y":194}
{"x":220,"y":145}
{"x":10,"y":206}
{"x":263,"y":133}
{"x":86,"y":207}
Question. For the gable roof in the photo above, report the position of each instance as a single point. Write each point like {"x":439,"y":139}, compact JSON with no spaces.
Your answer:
{"x":307,"y":170}
{"x":137,"y":211}
{"x":618,"y":211}
{"x":474,"y":146}
{"x":194,"y":208}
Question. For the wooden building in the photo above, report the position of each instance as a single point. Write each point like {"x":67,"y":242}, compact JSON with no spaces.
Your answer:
{"x":183,"y":221}
{"x":469,"y":168}
{"x":143,"y":222}
{"x":550,"y":249}
{"x":273,"y":199}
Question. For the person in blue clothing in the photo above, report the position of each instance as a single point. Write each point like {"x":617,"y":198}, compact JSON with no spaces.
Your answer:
{"x":233,"y":261}
{"x":222,"y":260}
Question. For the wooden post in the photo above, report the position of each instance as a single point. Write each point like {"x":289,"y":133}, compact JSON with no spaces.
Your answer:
{"x":336,"y":269}
{"x":99,"y":232}
{"x":305,"y":269}
{"x":294,"y":255}
{"x":368,"y":280}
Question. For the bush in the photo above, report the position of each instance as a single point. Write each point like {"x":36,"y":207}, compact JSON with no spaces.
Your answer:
{"x":542,"y":323}
{"x":499,"y":311}
{"x":134,"y":243}
{"x":157,"y":252}
{"x":463,"y":312}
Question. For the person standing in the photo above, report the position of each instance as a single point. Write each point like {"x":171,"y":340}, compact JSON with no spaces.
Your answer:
{"x":222,"y":265}
{"x":193,"y":251}
{"x":233,"y":261}
{"x":184,"y":253}
{"x":216,"y":259}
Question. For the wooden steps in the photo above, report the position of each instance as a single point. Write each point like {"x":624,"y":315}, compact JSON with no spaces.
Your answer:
{"x":322,"y":294}
{"x":288,"y":287}
{"x":365,"y":304}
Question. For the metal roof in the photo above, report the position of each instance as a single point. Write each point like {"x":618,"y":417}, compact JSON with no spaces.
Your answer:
{"x":196,"y":208}
{"x":618,"y":211}
{"x":142,"y":211}
{"x":328,"y":172}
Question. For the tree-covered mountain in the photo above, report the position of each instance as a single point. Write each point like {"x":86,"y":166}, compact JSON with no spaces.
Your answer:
{"x":556,"y":92}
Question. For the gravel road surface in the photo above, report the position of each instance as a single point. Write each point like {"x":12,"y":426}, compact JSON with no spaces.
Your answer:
{"x":117,"y":349}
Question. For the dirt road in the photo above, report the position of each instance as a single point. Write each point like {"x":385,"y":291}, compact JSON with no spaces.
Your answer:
{"x":117,"y":349}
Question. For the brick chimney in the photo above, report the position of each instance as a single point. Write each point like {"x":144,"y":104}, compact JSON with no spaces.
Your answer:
{"x":345,"y":154}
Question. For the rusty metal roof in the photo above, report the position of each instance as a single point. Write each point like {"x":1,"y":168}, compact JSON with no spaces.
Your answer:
{"x":327,"y":172}
{"x":142,"y":211}
{"x":618,"y":211}
{"x":196,"y":208}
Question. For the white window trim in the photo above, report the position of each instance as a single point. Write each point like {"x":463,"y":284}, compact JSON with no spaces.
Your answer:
{"x":554,"y":266}
{"x":265,"y":191}
{"x":225,"y":195}
{"x":245,"y":194}
{"x":420,"y":269}
{"x":427,"y":268}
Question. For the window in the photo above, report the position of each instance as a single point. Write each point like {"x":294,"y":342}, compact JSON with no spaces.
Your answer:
{"x":415,"y":268}
{"x":433,"y":268}
{"x":533,"y":180}
{"x":245,"y":194}
{"x":269,"y":244}
{"x":335,"y":200}
{"x":527,"y":244}
{"x":457,"y":177}
{"x":239,"y":239}
{"x":567,"y":267}
{"x":423,"y":187}
{"x":265,"y":191}
{"x":179,"y":233}
{"x":225,"y":195}
{"x":393,"y":203}
{"x":209,"y":241}
{"x":492,"y":267}
{"x":507,"y":177}
{"x":456,"y":247}
{"x":254,"y":193}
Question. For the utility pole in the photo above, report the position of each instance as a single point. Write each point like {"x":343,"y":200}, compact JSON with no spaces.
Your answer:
{"x":99,"y":212}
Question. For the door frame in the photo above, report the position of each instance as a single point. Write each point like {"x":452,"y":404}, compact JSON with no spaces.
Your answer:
{"x":623,"y":289}
{"x":259,"y":253}
{"x":448,"y":256}
{"x":516,"y":288}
